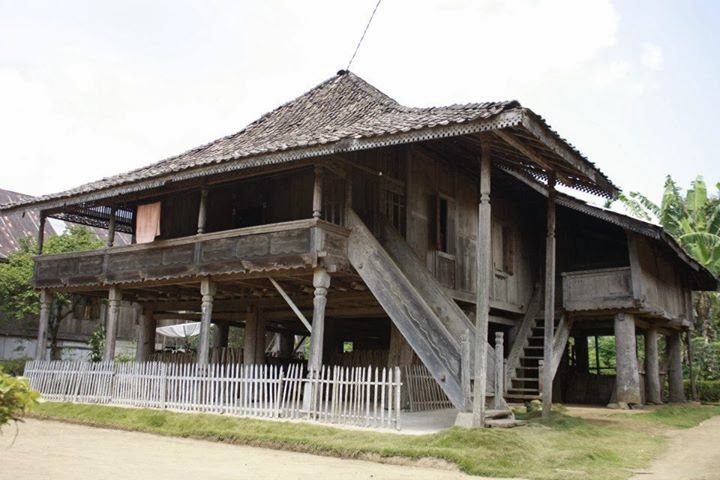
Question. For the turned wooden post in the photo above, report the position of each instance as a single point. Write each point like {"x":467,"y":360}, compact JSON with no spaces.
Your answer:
{"x":287,"y":344}
{"x":202,"y":211}
{"x":675,"y":373}
{"x":549,"y":317}
{"x":627,"y":376}
{"x":499,"y":404}
{"x":146,"y":334}
{"x":653,"y":393}
{"x":207,"y":290}
{"x":482,"y":285}
{"x":46,"y":299}
{"x":111,"y":227}
{"x":317,"y":192}
{"x":321,"y":282}
{"x":111,"y":328}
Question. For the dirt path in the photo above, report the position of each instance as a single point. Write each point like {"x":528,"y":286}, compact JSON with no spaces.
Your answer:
{"x":59,"y":451}
{"x":693,"y":454}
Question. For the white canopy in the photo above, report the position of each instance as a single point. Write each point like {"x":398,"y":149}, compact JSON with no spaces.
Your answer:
{"x":181,"y":330}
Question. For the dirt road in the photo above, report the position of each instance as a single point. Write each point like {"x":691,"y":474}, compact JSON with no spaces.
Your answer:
{"x":693,"y":454}
{"x":59,"y":451}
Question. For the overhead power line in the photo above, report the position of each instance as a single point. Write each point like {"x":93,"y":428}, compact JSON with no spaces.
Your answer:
{"x":363,"y":35}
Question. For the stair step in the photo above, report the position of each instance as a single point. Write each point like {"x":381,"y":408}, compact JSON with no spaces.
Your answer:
{"x":525,"y":379}
{"x":534,"y":347}
{"x":522,"y":390}
{"x":522,"y":396}
{"x":537,"y":337}
{"x":530,"y":357}
{"x":527,"y":368}
{"x":504,"y":423}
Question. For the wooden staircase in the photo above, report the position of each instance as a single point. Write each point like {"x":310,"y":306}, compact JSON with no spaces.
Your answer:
{"x":435,"y":327}
{"x":523,"y":375}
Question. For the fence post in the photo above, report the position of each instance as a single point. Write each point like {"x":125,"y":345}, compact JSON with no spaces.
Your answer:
{"x":398,"y":389}
{"x":163,"y":385}
{"x":278,"y":393}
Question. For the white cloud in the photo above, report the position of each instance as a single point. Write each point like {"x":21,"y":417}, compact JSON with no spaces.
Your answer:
{"x":652,"y":56}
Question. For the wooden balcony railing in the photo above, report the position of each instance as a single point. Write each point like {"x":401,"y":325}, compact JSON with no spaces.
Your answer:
{"x":280,"y":246}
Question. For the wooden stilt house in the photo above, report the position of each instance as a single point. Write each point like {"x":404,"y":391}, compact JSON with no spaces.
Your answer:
{"x":432,"y":235}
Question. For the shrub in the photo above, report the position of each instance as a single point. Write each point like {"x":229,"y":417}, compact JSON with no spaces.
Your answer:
{"x":708,"y":390}
{"x":16,"y":398}
{"x":14,"y":367}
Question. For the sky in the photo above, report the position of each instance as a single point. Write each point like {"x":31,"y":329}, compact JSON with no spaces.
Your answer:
{"x":89,"y":89}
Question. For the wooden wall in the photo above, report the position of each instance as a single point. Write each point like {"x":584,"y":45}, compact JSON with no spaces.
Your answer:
{"x":660,"y":282}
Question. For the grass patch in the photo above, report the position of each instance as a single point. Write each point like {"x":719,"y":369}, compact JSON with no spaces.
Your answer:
{"x":680,"y":416}
{"x":560,"y":447}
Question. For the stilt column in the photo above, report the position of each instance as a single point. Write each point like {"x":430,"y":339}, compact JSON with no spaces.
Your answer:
{"x":548,"y":353}
{"x":482,"y":289}
{"x":46,"y":299}
{"x":111,"y":327}
{"x":146,"y":334}
{"x":249,"y":336}
{"x":222,"y":333}
{"x":652,"y":368}
{"x":675,"y":373}
{"x":207,"y":289}
{"x":627,"y":382}
{"x":321,"y":282}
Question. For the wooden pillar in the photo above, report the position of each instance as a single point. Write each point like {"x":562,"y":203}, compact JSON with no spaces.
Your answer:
{"x":401,"y":353}
{"x":581,"y":353}
{"x":549,"y":317}
{"x":146,"y":334}
{"x":287,"y":344}
{"x":499,"y":402}
{"x":207,"y":290}
{"x":653,"y":393}
{"x":249,"y":337}
{"x":321,"y":282}
{"x":483,"y":284}
{"x":675,"y":373}
{"x":317,"y":192}
{"x":46,"y":299}
{"x":691,"y":371}
{"x":41,"y":233}
{"x":111,"y":327}
{"x":627,"y":377}
{"x":222,"y":334}
{"x":260,"y":343}
{"x":202,"y":211}
{"x":111,"y":227}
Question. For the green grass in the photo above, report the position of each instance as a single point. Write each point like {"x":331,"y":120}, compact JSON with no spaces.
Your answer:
{"x":561,"y":447}
{"x":680,"y":416}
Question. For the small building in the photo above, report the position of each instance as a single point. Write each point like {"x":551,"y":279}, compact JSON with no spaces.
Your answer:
{"x":18,"y":337}
{"x":430,"y":235}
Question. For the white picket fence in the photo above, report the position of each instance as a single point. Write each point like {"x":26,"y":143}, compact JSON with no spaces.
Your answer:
{"x":362,"y":396}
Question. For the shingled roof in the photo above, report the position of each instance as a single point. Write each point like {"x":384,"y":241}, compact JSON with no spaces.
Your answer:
{"x":16,"y":226}
{"x":343,"y":113}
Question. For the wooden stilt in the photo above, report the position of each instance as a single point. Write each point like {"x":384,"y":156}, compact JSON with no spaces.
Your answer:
{"x":652,"y":368}
{"x":111,"y":227}
{"x":675,"y":373}
{"x":627,"y":381}
{"x":483,"y":283}
{"x":113,"y":313}
{"x":207,"y":289}
{"x":548,"y":353}
{"x":146,"y":334}
{"x":46,"y":299}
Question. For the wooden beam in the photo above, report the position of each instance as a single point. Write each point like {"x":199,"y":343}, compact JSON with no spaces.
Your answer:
{"x":202,"y":210}
{"x":111,"y":227}
{"x":531,"y":154}
{"x":291,"y":304}
{"x":41,"y":233}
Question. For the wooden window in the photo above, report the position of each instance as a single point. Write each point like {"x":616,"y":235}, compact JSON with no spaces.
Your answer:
{"x":443,"y":227}
{"x":395,"y":210}
{"x":503,"y":249}
{"x":333,"y":209}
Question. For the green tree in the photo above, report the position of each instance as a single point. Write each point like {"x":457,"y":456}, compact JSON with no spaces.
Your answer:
{"x":18,"y":300}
